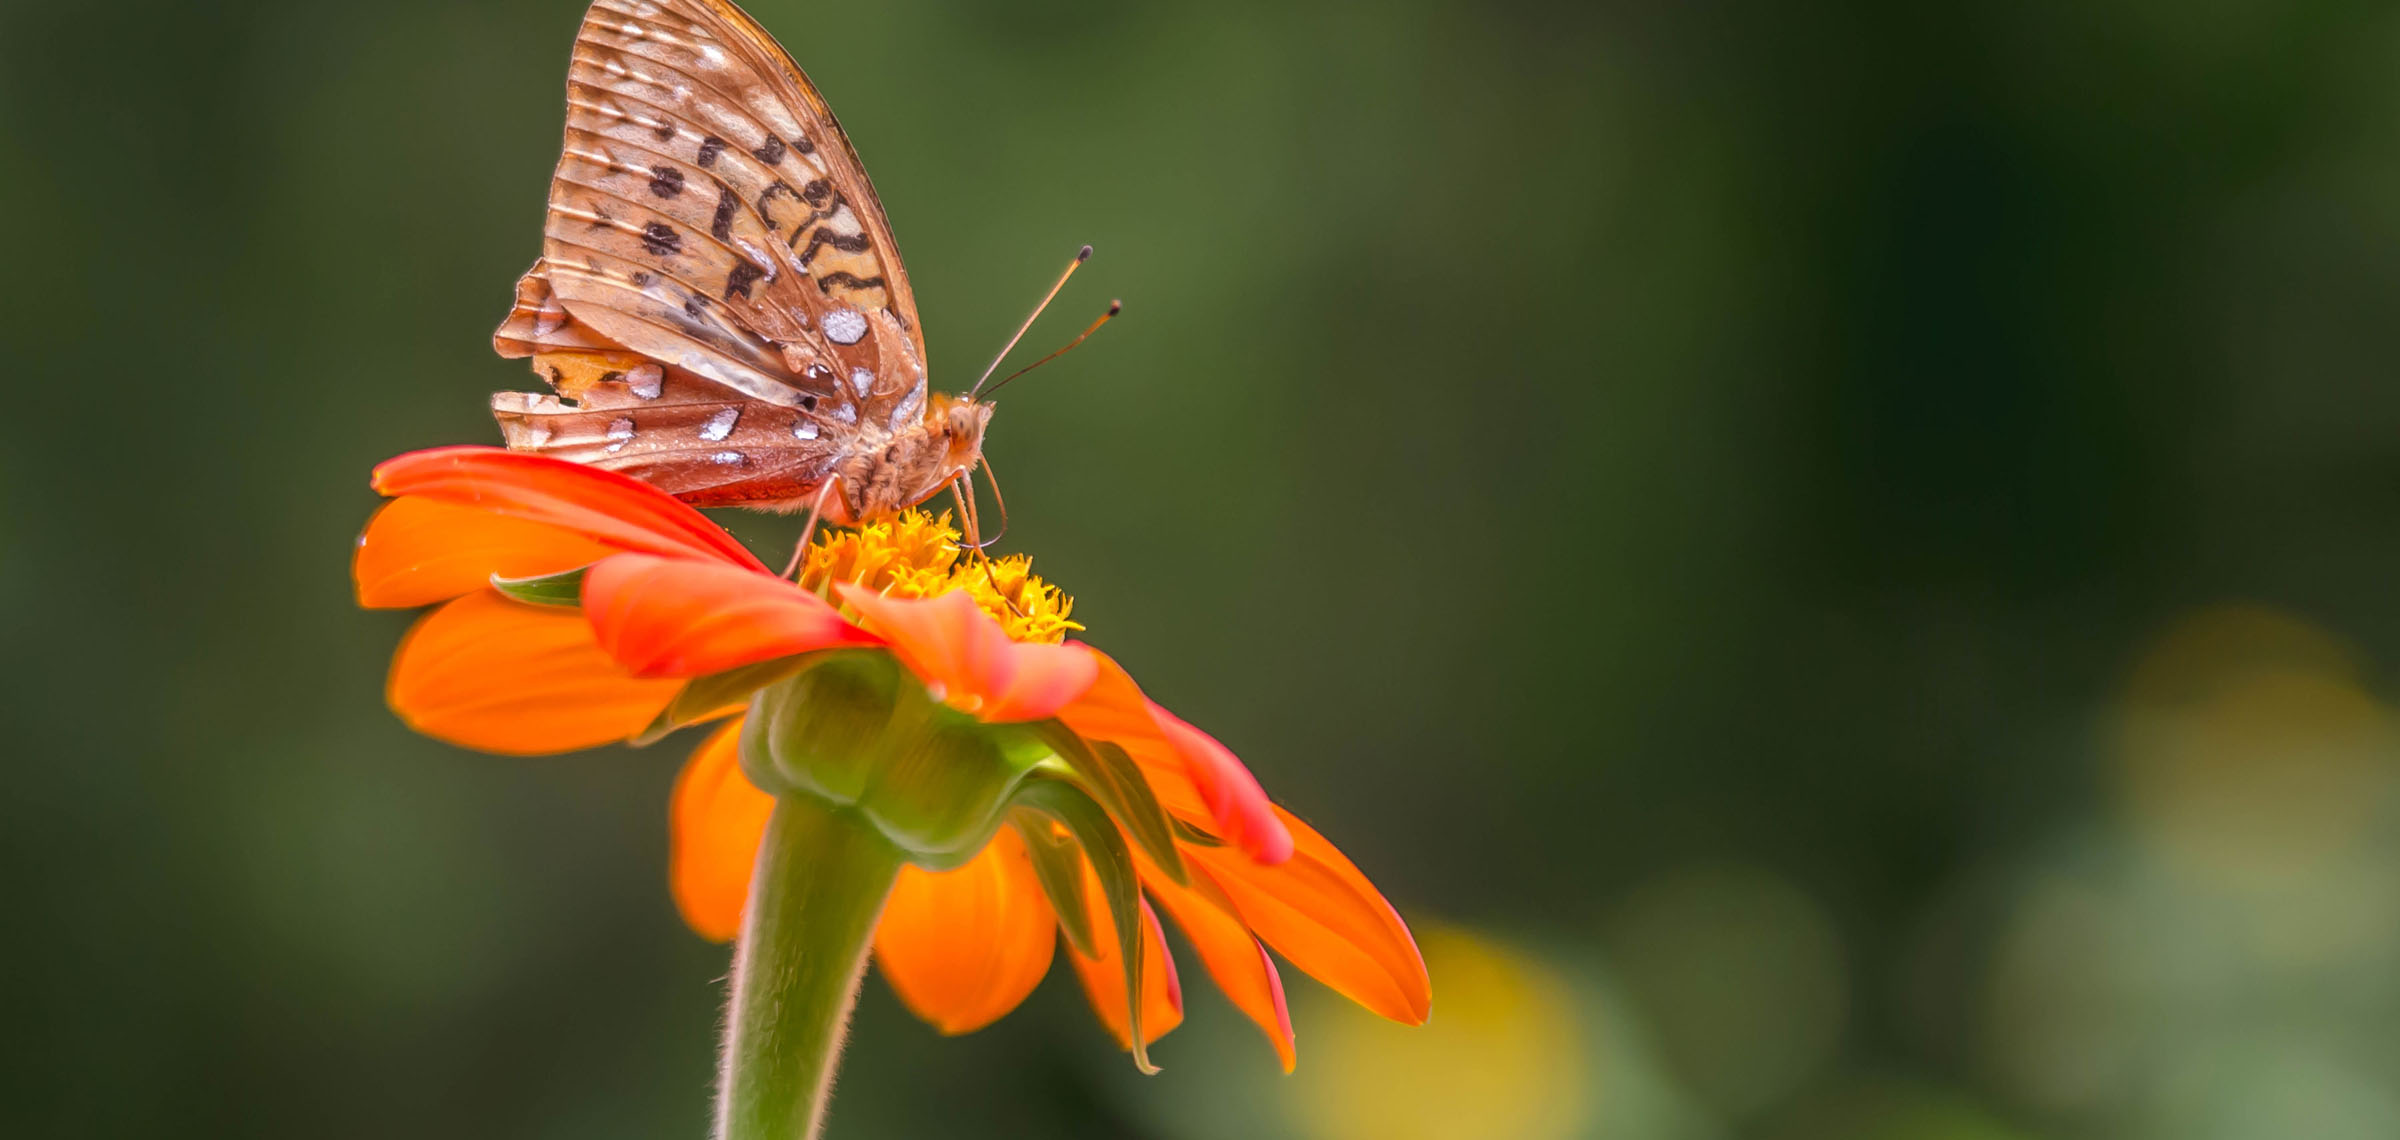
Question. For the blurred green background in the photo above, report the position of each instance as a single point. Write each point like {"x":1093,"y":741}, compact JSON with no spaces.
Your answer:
{"x":1835,"y":560}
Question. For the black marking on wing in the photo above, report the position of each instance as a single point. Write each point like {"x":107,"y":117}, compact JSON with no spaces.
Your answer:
{"x":664,"y":131}
{"x":854,"y":243}
{"x":741,"y":279}
{"x":826,"y":283}
{"x":816,"y":192}
{"x":661,"y":239}
{"x":721,"y":227}
{"x":666,"y":181}
{"x":767,"y":197}
{"x":770,"y":151}
{"x":710,"y":148}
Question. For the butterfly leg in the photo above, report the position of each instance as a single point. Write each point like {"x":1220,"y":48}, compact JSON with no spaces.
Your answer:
{"x":963,"y":489}
{"x":994,"y":479}
{"x":809,"y":530}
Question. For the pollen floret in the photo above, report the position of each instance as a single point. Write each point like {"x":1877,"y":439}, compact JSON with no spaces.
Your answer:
{"x":917,"y":555}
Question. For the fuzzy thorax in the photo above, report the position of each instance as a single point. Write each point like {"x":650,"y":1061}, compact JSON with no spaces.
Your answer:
{"x":920,"y":460}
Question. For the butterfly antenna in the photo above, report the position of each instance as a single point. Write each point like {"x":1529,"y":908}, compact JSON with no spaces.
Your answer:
{"x":1114,"y":307}
{"x":1081,"y":256}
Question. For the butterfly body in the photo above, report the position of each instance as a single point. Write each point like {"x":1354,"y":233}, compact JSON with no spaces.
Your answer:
{"x":720,"y":309}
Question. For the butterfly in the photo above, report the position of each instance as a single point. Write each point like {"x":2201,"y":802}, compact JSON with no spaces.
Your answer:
{"x":719,"y":308}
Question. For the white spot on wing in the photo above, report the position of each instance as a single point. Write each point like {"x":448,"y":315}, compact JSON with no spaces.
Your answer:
{"x":720,"y":425}
{"x":536,"y":436}
{"x":725,"y":458}
{"x":845,"y":326}
{"x":862,"y":379}
{"x":620,"y":432}
{"x":907,"y":409}
{"x":646,"y":380}
{"x":805,"y":429}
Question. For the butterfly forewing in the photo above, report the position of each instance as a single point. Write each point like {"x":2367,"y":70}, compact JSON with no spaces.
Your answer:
{"x":712,"y":249}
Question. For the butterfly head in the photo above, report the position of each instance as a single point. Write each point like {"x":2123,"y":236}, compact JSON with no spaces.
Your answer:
{"x":957,"y":422}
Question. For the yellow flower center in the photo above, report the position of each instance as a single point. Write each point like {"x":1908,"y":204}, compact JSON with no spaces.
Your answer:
{"x":916,"y":555}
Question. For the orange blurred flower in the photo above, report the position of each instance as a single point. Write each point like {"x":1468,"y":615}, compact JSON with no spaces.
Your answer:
{"x":666,"y":603}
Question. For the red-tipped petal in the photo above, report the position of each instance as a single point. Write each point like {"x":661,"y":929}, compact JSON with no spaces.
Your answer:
{"x":488,"y":673}
{"x":418,"y":551}
{"x":1234,"y":798}
{"x":1232,"y":957}
{"x":949,"y":642}
{"x":1104,"y":978}
{"x":604,"y":506}
{"x":964,"y":947}
{"x":715,"y":822}
{"x":675,"y":617}
{"x":1317,"y":910}
{"x":1192,"y":775}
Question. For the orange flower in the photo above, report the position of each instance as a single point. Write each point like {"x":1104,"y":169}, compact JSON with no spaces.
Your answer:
{"x":580,"y":607}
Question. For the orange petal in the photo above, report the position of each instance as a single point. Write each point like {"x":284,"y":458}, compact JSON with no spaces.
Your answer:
{"x":604,"y":506}
{"x":715,"y":822}
{"x":500,"y":676}
{"x":674,"y":617}
{"x":948,"y":641}
{"x":1192,"y":775}
{"x":1317,"y":910}
{"x":1235,"y":959}
{"x":1104,"y":978}
{"x":964,"y":947}
{"x":417,"y":551}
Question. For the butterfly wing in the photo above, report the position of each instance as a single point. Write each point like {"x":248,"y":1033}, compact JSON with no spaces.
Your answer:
{"x":712,"y":245}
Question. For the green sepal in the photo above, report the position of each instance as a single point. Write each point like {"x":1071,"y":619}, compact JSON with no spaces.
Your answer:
{"x":943,"y":783}
{"x":1102,"y":769}
{"x":546,"y":590}
{"x":855,"y":730}
{"x":1105,"y":847}
{"x":820,"y":731}
{"x":702,"y":696}
{"x":1186,"y":833}
{"x":1058,"y":866}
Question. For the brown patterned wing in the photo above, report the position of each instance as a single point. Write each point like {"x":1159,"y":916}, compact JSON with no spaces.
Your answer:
{"x":708,"y":213}
{"x":712,"y":247}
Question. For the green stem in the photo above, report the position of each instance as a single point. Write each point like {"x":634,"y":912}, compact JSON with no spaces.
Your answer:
{"x":820,"y":885}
